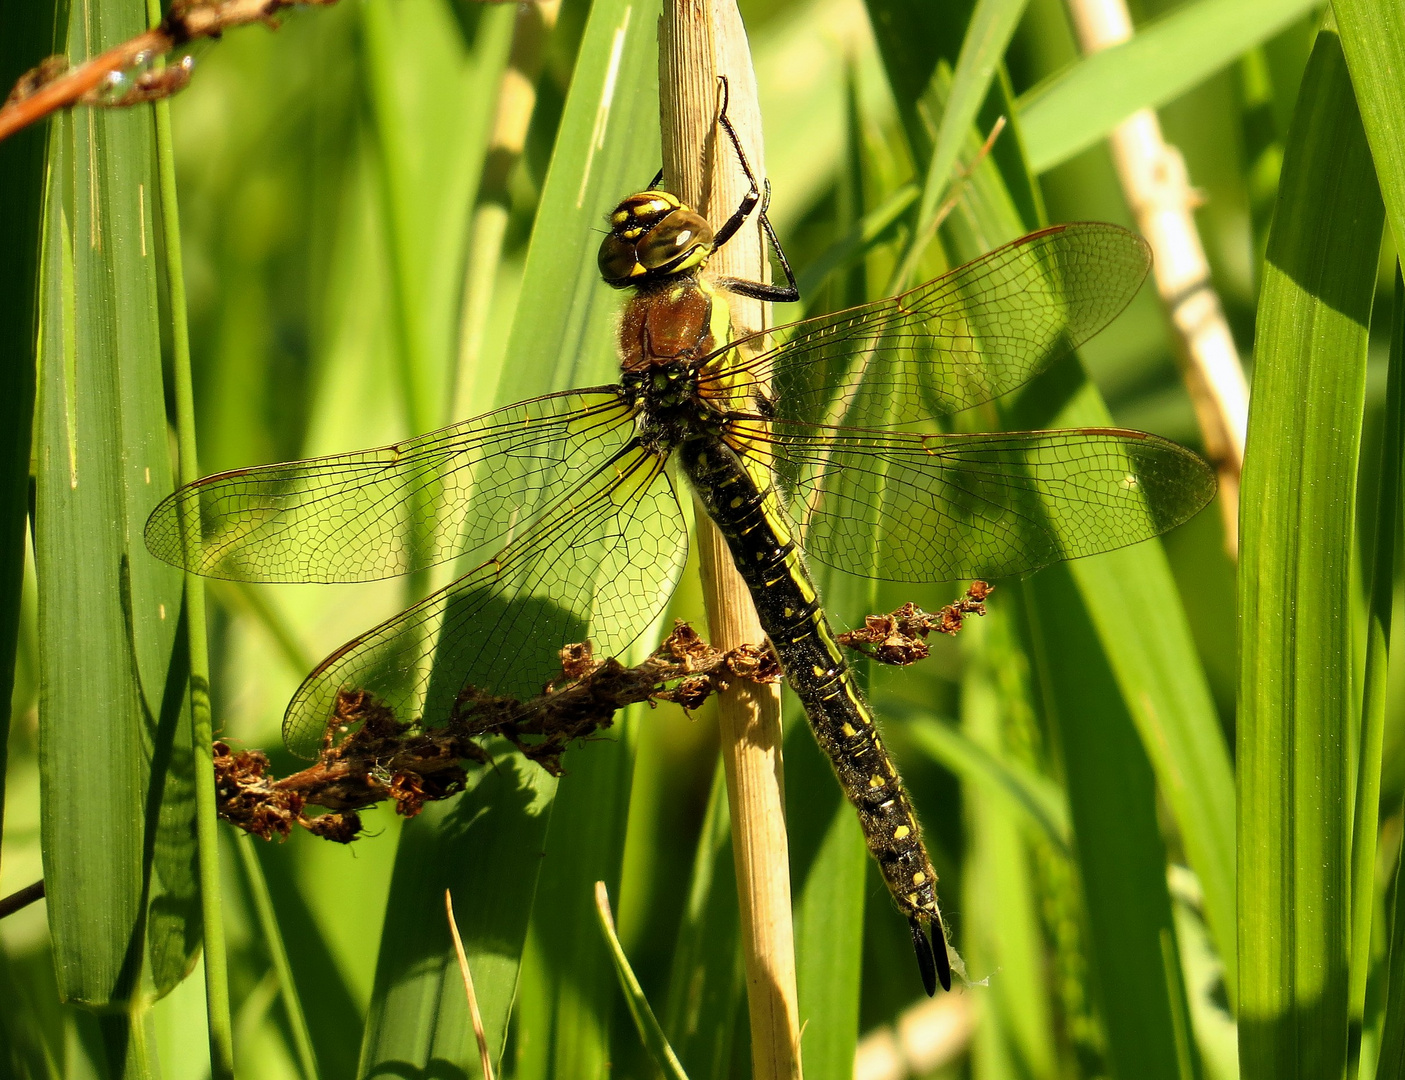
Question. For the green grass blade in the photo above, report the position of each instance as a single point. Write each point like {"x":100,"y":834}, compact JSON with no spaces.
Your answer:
{"x":272,"y":935}
{"x":1001,"y":923}
{"x":1390,"y":1064}
{"x":1296,"y":700}
{"x":1121,"y":856}
{"x":430,"y":162}
{"x":1072,"y":110}
{"x":115,"y":758}
{"x":1381,"y":596}
{"x":1373,"y":38}
{"x":829,"y":866}
{"x":480,"y":848}
{"x":988,"y":33}
{"x":604,"y":149}
{"x":201,"y":738}
{"x":1017,"y":787}
{"x":644,"y":1019}
{"x":29,"y":30}
{"x":706,"y":982}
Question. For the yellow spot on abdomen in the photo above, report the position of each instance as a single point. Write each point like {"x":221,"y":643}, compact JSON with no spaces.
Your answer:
{"x":875,"y":781}
{"x":901,"y":832}
{"x":848,"y":729}
{"x":919,"y":878}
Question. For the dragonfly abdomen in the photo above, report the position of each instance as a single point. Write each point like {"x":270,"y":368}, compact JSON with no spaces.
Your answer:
{"x":770,"y":563}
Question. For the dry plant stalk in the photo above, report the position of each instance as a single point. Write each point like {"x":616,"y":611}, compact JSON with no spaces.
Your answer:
{"x":485,"y":1059}
{"x":900,"y":637}
{"x":1157,"y":188}
{"x":700,"y":40}
{"x":54,"y":85}
{"x":370,"y":756}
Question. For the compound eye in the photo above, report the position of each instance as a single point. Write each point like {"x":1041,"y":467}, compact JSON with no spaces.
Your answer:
{"x":681,"y":240}
{"x":618,"y":261}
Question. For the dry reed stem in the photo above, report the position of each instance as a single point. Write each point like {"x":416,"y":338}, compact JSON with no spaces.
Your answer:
{"x":698,"y":41}
{"x":1157,"y":188}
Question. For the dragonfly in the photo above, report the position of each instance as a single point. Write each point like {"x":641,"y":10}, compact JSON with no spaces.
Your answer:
{"x":820,"y":439}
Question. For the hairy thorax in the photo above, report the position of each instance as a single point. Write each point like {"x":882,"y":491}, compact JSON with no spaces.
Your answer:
{"x":666,"y":330}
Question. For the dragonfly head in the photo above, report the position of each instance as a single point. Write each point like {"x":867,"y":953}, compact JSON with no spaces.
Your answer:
{"x":653,"y":236}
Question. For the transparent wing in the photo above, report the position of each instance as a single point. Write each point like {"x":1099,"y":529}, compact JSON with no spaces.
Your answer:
{"x":966,"y":337}
{"x":598,"y":566}
{"x":941,"y":507}
{"x":393,"y":509}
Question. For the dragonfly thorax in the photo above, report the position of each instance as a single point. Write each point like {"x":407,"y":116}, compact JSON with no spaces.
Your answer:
{"x":668,"y":408}
{"x":653,"y":236}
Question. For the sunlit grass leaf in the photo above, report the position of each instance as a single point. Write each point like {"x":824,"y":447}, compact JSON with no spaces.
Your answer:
{"x":115,"y":760}
{"x":561,"y":338}
{"x":1373,"y":39}
{"x":665,"y":1060}
{"x":707,"y":982}
{"x":1072,"y":110}
{"x":1297,"y":704}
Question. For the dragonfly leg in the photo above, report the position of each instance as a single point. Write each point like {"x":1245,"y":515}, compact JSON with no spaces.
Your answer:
{"x":759,"y":195}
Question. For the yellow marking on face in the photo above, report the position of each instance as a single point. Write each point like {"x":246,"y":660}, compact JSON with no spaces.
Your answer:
{"x":875,"y":781}
{"x":919,"y":878}
{"x":634,"y":233}
{"x":848,"y":729}
{"x":664,"y":198}
{"x":619,"y":217}
{"x":654,"y":205}
{"x":901,"y":832}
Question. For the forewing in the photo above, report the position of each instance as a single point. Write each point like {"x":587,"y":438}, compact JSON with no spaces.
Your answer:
{"x":966,"y":337}
{"x":943,"y":507}
{"x":597,"y":567}
{"x":393,"y":509}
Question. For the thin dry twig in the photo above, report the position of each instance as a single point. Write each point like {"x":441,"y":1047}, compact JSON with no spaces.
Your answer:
{"x":369,"y":756}
{"x":21,"y":898}
{"x":1157,"y":187}
{"x":484,"y":1058}
{"x":54,"y":85}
